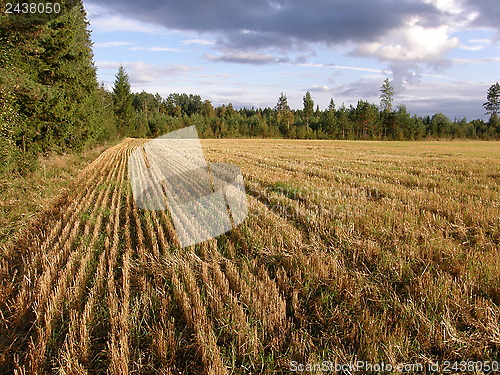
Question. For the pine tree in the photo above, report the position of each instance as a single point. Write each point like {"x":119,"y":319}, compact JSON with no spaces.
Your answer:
{"x":308,"y":108}
{"x":386,"y":96}
{"x":122,"y":99}
{"x":331,"y":105}
{"x":492,"y":104}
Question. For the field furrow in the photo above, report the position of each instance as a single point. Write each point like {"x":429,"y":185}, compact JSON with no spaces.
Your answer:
{"x":376,"y":251}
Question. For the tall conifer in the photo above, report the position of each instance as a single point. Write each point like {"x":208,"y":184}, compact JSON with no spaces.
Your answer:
{"x":122,"y":99}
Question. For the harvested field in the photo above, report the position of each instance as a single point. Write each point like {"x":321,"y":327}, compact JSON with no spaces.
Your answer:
{"x":378,"y":251}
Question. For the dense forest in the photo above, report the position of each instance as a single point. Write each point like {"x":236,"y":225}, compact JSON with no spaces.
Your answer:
{"x":50,"y":101}
{"x":49,"y":96}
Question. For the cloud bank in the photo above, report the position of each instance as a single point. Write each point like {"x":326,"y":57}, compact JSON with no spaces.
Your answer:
{"x":278,"y":23}
{"x":405,"y":34}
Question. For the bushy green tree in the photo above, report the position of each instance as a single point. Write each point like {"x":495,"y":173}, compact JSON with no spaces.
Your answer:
{"x":440,"y":125}
{"x":406,"y":125}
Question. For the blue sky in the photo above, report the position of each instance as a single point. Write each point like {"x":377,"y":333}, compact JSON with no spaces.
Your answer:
{"x":442,"y":55}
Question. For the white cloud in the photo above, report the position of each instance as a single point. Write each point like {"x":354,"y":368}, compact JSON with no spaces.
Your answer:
{"x":111,"y":44}
{"x":477,"y":44}
{"x":449,"y":6}
{"x":155,"y":49}
{"x":198,"y":41}
{"x":115,"y":23}
{"x":411,"y":47}
{"x":342,"y":67}
{"x":455,"y":13}
{"x":476,"y":47}
{"x":412,"y":43}
{"x":143,"y":73}
{"x":101,"y":19}
{"x":317,"y":88}
{"x":460,"y":60}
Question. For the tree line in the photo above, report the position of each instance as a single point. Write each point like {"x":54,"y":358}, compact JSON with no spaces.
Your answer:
{"x":50,"y":101}
{"x":147,"y":115}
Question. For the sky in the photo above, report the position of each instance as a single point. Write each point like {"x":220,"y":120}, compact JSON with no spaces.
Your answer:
{"x":441,"y":55}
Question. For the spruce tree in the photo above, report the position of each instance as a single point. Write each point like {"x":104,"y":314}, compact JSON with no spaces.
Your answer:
{"x":71,"y":108}
{"x":122,"y":99}
{"x":329,"y":121}
{"x":47,"y":76}
{"x":283,"y":113}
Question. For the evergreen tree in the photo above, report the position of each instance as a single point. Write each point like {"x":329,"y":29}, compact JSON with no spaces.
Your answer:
{"x":70,"y":110}
{"x":329,"y":123}
{"x":207,"y":110}
{"x":366,"y":119}
{"x":282,"y":104}
{"x":344,"y":122}
{"x":308,"y":108}
{"x":331,"y":106}
{"x":406,"y":125}
{"x":47,"y":76}
{"x":122,"y":100}
{"x":386,"y":96}
{"x":390,"y":126}
{"x":492,"y":104}
{"x":284,"y":115}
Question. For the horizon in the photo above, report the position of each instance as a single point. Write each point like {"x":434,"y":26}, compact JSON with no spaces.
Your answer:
{"x":441,"y":55}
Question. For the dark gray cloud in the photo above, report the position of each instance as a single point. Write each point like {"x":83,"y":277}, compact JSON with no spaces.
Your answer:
{"x":239,"y":24}
{"x":488,"y":13}
{"x":455,"y":98}
{"x":451,"y":107}
{"x":247,"y":58}
{"x":367,"y":89}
